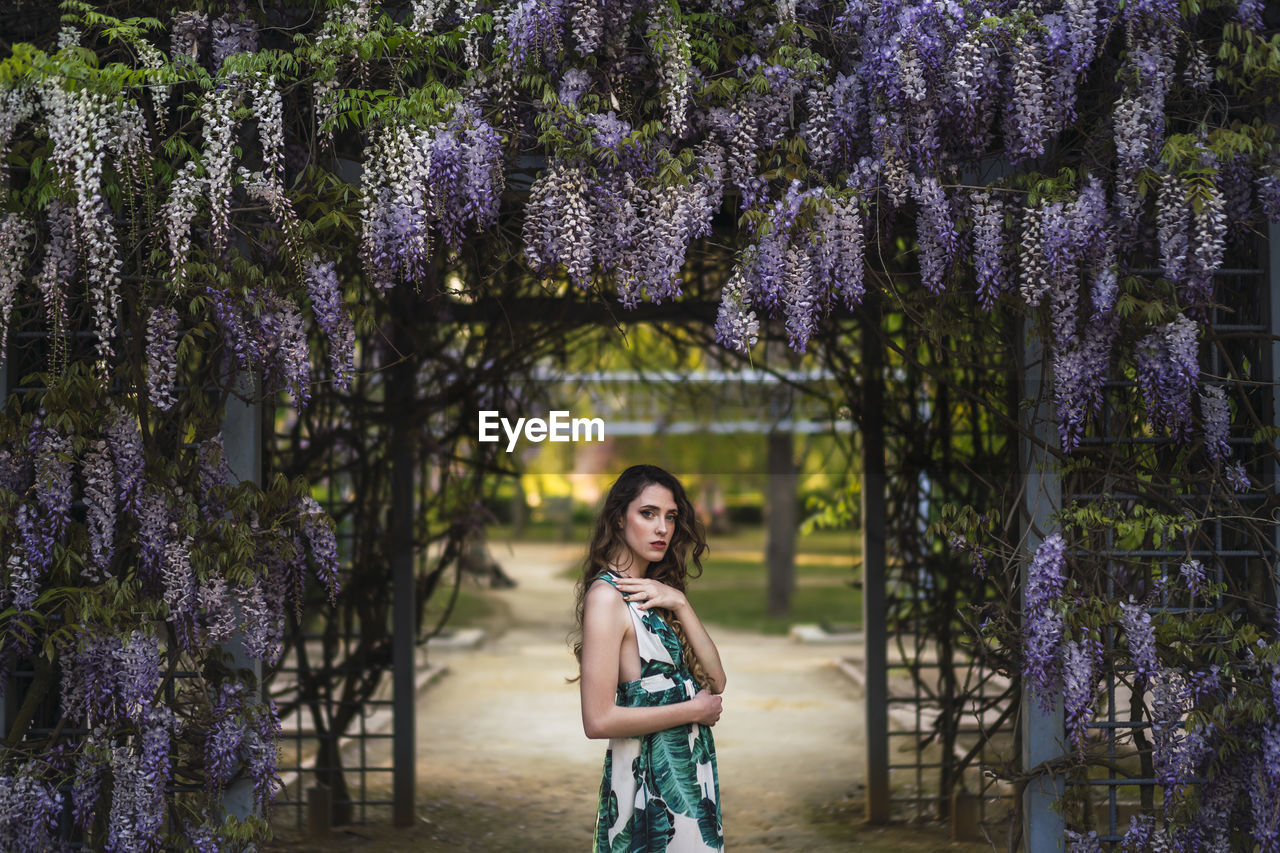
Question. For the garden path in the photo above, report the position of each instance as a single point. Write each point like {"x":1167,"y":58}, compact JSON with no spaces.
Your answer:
{"x":504,"y":767}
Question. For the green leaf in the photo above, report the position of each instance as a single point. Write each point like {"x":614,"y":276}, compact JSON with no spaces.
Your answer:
{"x":674,"y":772}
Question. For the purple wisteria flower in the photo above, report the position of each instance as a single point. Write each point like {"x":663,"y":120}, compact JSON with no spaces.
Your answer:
{"x":263,"y":756}
{"x":1219,"y":794}
{"x":1268,"y":185}
{"x":1271,"y":752}
{"x":138,"y":674}
{"x":262,"y":614}
{"x":1137,"y":837}
{"x":282,"y":339}
{"x":24,"y":575}
{"x":1193,"y":575}
{"x":1173,"y":220}
{"x":107,"y":680}
{"x":1238,"y":477}
{"x":205,"y":836}
{"x":1033,"y":272}
{"x":322,"y":543}
{"x":1216,"y":415}
{"x":1209,"y":244}
{"x":560,"y":195}
{"x":1135,"y":619}
{"x":213,"y":474}
{"x":1028,"y":118}
{"x":1081,"y":661}
{"x":1264,"y":801}
{"x":1177,"y":748}
{"x":226,"y":735}
{"x":936,"y":234}
{"x":237,"y":333}
{"x":1043,"y":620}
{"x":1139,"y":114}
{"x":989,"y":267}
{"x":218,"y":609}
{"x":1104,"y":292}
{"x":1080,"y":374}
{"x":233,"y":32}
{"x":1168,"y":362}
{"x":534,"y":29}
{"x":154,"y":533}
{"x":125,"y":441}
{"x":736,"y":325}
{"x":1249,"y":13}
{"x":53,"y":487}
{"x":29,"y":811}
{"x":61,"y":262}
{"x":1083,"y":842}
{"x":100,"y":508}
{"x":332,"y":317}
{"x":86,"y":784}
{"x":39,"y":527}
{"x":162,"y":357}
{"x":181,"y":593}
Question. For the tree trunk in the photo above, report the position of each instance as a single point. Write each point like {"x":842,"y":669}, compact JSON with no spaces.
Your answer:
{"x":782,"y":520}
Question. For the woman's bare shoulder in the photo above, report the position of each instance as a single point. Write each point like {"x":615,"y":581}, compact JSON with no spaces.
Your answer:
{"x":604,"y":595}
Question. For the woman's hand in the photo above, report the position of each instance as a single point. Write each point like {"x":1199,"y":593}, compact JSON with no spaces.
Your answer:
{"x":647,"y":594}
{"x":706,"y":708}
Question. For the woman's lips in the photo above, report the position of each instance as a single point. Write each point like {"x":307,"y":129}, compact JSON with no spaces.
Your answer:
{"x":658,"y":545}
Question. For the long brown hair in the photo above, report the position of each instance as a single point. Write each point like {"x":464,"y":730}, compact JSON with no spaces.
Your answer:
{"x":682,"y":560}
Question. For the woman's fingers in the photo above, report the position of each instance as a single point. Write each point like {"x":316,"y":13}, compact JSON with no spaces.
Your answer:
{"x":648,"y":593}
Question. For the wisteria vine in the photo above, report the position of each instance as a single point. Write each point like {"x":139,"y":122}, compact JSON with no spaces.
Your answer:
{"x":206,"y":197}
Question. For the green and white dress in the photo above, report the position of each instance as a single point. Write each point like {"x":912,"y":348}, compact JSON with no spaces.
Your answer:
{"x":660,"y":791}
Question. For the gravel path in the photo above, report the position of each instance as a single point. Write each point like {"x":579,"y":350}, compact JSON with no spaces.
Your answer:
{"x":503,"y":766}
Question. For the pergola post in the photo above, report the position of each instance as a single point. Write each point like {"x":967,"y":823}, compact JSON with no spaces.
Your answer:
{"x":876,"y":689}
{"x":400,"y":393}
{"x":1271,"y":266}
{"x":242,"y":442}
{"x":1041,"y":735}
{"x":6,"y":669}
{"x":782,"y":518}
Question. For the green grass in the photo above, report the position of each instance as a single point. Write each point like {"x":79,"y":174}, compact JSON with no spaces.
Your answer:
{"x":733,"y":588}
{"x":472,"y":609}
{"x":734,"y":594}
{"x":543,"y":531}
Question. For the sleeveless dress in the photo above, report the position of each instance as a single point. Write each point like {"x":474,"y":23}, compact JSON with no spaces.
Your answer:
{"x":660,"y":792}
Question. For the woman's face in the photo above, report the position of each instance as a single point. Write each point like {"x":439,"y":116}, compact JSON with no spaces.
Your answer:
{"x":647,"y":528}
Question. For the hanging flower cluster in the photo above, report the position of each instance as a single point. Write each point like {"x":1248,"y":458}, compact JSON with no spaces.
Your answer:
{"x":111,"y":679}
{"x":80,"y":127}
{"x":448,"y":177}
{"x":1046,"y":577}
{"x":15,"y":241}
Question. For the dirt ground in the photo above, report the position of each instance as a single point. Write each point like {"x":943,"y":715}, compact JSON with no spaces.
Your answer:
{"x":503,"y":766}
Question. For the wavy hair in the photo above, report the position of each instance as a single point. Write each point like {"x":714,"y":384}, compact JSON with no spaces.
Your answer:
{"x":687,"y":545}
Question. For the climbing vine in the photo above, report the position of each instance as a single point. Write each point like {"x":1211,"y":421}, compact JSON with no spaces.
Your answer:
{"x":214,"y":201}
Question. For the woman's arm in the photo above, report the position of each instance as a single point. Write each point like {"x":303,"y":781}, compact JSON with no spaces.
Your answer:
{"x":604,"y":625}
{"x":650,"y":593}
{"x":700,"y":641}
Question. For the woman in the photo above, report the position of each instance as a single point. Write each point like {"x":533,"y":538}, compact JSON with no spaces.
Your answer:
{"x":650,"y":674}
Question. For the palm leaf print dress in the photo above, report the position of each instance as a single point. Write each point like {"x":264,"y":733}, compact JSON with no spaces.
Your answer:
{"x":660,"y":792}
